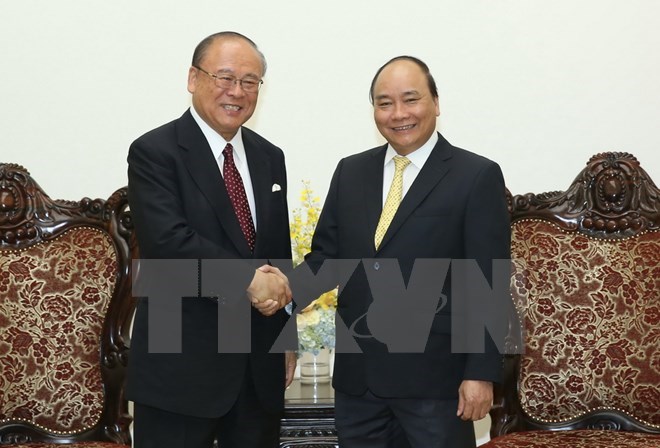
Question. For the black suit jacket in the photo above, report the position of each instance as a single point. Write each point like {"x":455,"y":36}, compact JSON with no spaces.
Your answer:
{"x":455,"y":209}
{"x":181,"y":210}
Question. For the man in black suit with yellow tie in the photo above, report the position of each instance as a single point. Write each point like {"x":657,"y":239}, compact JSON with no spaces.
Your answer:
{"x":204,"y":187}
{"x":417,"y":197}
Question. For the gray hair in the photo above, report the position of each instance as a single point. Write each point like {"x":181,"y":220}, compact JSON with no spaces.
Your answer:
{"x":203,"y":46}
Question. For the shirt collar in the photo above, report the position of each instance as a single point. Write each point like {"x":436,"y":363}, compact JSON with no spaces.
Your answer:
{"x":417,"y":157}
{"x":217,"y":143}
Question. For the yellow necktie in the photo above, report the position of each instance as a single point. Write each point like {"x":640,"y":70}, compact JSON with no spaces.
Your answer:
{"x":393,"y":198}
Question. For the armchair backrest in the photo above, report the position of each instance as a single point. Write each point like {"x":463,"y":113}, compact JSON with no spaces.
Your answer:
{"x":65,"y":310}
{"x":586,"y":284}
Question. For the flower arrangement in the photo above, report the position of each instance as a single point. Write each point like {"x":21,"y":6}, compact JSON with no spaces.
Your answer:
{"x":316,"y":323}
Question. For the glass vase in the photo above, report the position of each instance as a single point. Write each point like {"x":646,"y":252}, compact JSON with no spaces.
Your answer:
{"x":315,"y":368}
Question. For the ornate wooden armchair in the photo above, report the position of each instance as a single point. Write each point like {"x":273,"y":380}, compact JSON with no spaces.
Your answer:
{"x":586,"y":284}
{"x":65,"y":310}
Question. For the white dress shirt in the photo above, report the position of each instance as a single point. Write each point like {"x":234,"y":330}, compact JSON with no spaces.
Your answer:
{"x":217,"y":144}
{"x":417,"y":160}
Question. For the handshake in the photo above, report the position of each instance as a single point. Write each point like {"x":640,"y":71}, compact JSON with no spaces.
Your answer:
{"x":269,"y":290}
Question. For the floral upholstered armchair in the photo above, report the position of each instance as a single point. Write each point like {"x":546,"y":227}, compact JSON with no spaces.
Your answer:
{"x":65,"y":310}
{"x":586,"y":284}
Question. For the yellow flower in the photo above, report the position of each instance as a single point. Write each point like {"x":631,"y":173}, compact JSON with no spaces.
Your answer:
{"x":316,"y":321}
{"x":328,"y":300}
{"x":303,"y":223}
{"x":308,"y":318}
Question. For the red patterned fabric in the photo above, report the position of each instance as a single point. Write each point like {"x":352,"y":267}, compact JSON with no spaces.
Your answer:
{"x":77,"y":445}
{"x":54,"y":298}
{"x":592,"y":315}
{"x":575,"y":439}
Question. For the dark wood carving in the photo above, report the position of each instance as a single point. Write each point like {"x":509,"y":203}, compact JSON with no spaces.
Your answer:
{"x":613,"y":197}
{"x":320,"y":443}
{"x":14,"y":439}
{"x":308,"y":425}
{"x":29,"y":216}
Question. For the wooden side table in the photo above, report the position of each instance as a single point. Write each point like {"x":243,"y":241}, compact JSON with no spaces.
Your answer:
{"x":309,"y":416}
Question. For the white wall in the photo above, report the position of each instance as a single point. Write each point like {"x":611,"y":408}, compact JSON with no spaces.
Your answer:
{"x":528,"y":83}
{"x":538,"y":86}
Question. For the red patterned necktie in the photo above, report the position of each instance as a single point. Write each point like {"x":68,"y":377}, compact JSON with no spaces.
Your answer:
{"x":236,"y":191}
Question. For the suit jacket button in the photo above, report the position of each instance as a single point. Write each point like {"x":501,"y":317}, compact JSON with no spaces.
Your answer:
{"x":376,"y":265}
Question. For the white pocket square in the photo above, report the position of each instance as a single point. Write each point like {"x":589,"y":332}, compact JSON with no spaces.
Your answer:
{"x":276,"y":187}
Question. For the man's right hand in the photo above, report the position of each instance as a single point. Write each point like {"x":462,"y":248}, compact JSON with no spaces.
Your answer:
{"x":269,"y":290}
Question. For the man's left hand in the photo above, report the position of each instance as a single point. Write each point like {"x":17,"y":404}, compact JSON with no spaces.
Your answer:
{"x":475,"y":399}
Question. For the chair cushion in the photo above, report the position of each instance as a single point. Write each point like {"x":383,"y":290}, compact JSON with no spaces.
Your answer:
{"x":592,"y":317}
{"x":50,"y":332}
{"x":576,"y":439}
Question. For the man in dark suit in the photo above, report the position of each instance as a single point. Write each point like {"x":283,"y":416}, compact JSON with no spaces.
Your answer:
{"x":453,"y":207}
{"x":203,"y":187}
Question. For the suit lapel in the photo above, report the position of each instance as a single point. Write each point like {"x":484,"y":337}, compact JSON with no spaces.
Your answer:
{"x":260,"y":173}
{"x":435,"y":168}
{"x":373,"y":190}
{"x":204,"y":171}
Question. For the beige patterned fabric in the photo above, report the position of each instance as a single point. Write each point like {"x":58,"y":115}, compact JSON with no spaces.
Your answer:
{"x":575,"y":439}
{"x":53,"y":297}
{"x":592,"y":314}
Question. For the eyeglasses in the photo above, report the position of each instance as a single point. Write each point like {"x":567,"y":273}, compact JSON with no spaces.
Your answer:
{"x":224,"y":81}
